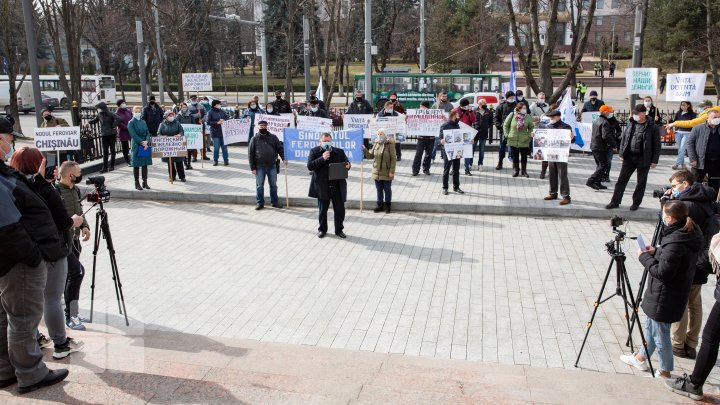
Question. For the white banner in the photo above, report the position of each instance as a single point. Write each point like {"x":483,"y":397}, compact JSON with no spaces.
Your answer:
{"x":458,"y":143}
{"x":194,"y":82}
{"x":552,"y":145}
{"x":235,"y":131}
{"x":590,"y":117}
{"x":641,"y":80}
{"x":352,"y":121}
{"x":424,"y":122}
{"x":193,"y":135}
{"x":314,"y":123}
{"x":685,"y":87}
{"x":57,"y":138}
{"x":394,"y":127}
{"x":276,"y":123}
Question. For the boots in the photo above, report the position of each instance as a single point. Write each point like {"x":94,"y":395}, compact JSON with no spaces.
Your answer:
{"x":137,"y":185}
{"x":499,"y":165}
{"x":145,"y":185}
{"x":387,"y":208}
{"x":523,"y":171}
{"x":516,"y":169}
{"x":379,"y":208}
{"x":543,"y":170}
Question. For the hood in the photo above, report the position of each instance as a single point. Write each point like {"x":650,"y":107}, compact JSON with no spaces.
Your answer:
{"x":675,"y":234}
{"x":101,"y":106}
{"x":698,"y":193}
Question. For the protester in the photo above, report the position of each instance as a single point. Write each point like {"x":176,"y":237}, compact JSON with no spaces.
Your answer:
{"x":603,"y":139}
{"x":152,"y":114}
{"x":518,"y":129}
{"x":593,"y":104}
{"x":252,"y":110}
{"x":442,"y":102}
{"x":390,"y":111}
{"x":383,"y":169}
{"x":425,"y":144}
{"x":324,"y":189}
{"x":125,"y":116}
{"x":171,"y":127}
{"x":703,"y":149}
{"x":705,"y":108}
{"x":639,"y":150}
{"x":539,"y":108}
{"x":185,"y":117}
{"x":467,"y":117}
{"x":280,"y":105}
{"x":51,"y":121}
{"x":685,"y":113}
{"x":653,"y":113}
{"x":396,"y":104}
{"x":320,"y":103}
{"x":483,"y":124}
{"x":70,"y":175}
{"x":270,"y":110}
{"x":615,"y":125}
{"x":519,"y":96}
{"x":670,"y":269}
{"x":359,"y":105}
{"x":140,"y":141}
{"x":559,"y":170}
{"x":504,"y":110}
{"x":454,"y":164}
{"x":263,"y":152}
{"x":215,"y":118}
{"x":109,"y":122}
{"x":30,"y":162}
{"x":198,"y":111}
{"x":612,"y":69}
{"x":315,"y":110}
{"x":29,"y":239}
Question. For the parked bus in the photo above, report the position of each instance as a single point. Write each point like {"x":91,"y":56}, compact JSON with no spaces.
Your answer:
{"x":95,"y":88}
{"x":414,"y":88}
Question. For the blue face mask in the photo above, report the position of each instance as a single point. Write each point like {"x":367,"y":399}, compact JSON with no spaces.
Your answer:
{"x":314,"y":109}
{"x":675,"y":193}
{"x":326,"y":145}
{"x":10,"y":153}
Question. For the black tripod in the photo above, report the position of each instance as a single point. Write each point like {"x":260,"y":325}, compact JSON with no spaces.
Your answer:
{"x":102,"y":230}
{"x":622,"y":289}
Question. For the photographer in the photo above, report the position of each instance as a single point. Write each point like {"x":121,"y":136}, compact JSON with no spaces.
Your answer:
{"x":699,"y":200}
{"x":670,"y":268}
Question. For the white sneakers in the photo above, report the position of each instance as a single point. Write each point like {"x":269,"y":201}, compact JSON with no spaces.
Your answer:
{"x":630,"y":360}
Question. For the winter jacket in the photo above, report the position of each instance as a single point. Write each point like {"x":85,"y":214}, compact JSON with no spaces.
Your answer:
{"x":185,"y":117}
{"x":125,"y":116}
{"x":516,"y":138}
{"x":152,"y":114}
{"x":319,"y":113}
{"x":483,"y":123}
{"x":654,"y":115}
{"x":696,"y":144}
{"x":73,"y":205}
{"x":445,"y":125}
{"x":467,"y":117}
{"x":590,"y":107}
{"x":502,"y":112}
{"x":382,"y":113}
{"x":197,"y":111}
{"x":603,"y":135}
{"x":684,"y":116}
{"x":671,"y":270}
{"x":700,"y":119}
{"x":263,"y":150}
{"x":171,"y":129}
{"x":359,"y":107}
{"x":615,"y":125}
{"x":281,"y":106}
{"x":108,"y":120}
{"x":320,"y":182}
{"x":139,"y":133}
{"x":54,"y":202}
{"x":699,"y":200}
{"x":651,"y":142}
{"x":384,"y":159}
{"x":537,"y":110}
{"x":213,"y":116}
{"x":445,"y":106}
{"x":250,"y":113}
{"x":54,"y":122}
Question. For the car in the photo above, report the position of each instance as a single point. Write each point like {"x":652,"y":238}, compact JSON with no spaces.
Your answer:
{"x":492,"y":99}
{"x":49,"y":102}
{"x":223,"y":103}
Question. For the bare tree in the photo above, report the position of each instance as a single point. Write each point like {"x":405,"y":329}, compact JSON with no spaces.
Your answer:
{"x":12,"y":41}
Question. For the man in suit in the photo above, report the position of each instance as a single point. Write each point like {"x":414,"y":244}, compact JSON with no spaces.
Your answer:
{"x":324,"y":189}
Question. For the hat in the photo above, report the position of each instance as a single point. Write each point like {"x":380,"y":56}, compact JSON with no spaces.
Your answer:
{"x":554,"y":113}
{"x":152,"y":98}
{"x":606,"y":108}
{"x":6,"y":127}
{"x":168,"y":112}
{"x":706,"y":103}
{"x":44,"y":110}
{"x":277,"y":92}
{"x":263,"y":122}
{"x":314,"y":101}
{"x":119,"y":102}
{"x":593,"y":93}
{"x":509,"y":94}
{"x":464,"y":102}
{"x":639,"y":108}
{"x":519,"y":93}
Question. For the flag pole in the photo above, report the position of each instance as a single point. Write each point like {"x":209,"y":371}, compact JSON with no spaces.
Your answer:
{"x":362,"y":175}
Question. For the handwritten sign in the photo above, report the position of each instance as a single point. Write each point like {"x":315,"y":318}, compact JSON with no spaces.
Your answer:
{"x":685,"y":86}
{"x":169,"y":146}
{"x":195,"y":82}
{"x":193,"y":135}
{"x":314,"y":123}
{"x":641,"y":80}
{"x":235,"y":131}
{"x":57,"y":138}
{"x":352,"y":121}
{"x":277,"y":123}
{"x":424,"y":122}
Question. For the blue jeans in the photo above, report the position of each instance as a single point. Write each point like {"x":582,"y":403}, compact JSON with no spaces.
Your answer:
{"x":657,"y":335}
{"x":681,"y":141}
{"x":610,"y":156}
{"x":217,"y":144}
{"x":384,"y":188}
{"x":478,"y":144}
{"x":271,"y":173}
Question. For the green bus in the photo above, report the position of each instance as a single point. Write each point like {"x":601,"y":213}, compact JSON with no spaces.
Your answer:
{"x":414,"y":88}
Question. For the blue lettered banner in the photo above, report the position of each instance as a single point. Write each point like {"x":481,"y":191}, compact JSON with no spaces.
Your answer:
{"x":298,"y":143}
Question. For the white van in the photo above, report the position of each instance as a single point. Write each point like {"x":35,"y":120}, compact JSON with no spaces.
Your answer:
{"x":25,"y":99}
{"x":492,"y":99}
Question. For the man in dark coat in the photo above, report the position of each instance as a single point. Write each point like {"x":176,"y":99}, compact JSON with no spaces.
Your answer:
{"x":153,"y":116}
{"x":603,"y":138}
{"x":503,"y":110}
{"x":109,"y":122}
{"x":425,"y":145}
{"x":359,"y":105}
{"x":703,"y":149}
{"x":280,"y":105}
{"x":263,"y":151}
{"x":639,"y":150}
{"x":484,"y":125}
{"x":593,"y":104}
{"x":315,"y":109}
{"x":559,"y":170}
{"x":324,"y":189}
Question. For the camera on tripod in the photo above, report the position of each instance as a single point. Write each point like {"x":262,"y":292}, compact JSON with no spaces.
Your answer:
{"x":101,"y":193}
{"x":660,"y":194}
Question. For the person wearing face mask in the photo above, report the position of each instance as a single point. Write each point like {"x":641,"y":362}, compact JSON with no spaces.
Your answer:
{"x":320,"y":103}
{"x":324,"y":189}
{"x":467,"y":117}
{"x":140,"y":140}
{"x":184,"y":117}
{"x":390,"y":111}
{"x":51,"y":121}
{"x":593,"y":104}
{"x":280,"y":105}
{"x":603,"y":139}
{"x":518,"y":129}
{"x":558,"y":170}
{"x":315,"y":110}
{"x":703,"y":109}
{"x":615,"y":125}
{"x":442,"y":103}
{"x":653,"y":113}
{"x":215,"y":118}
{"x":252,"y":110}
{"x":70,"y":176}
{"x":383,"y":169}
{"x":703,"y":149}
{"x":483,"y":124}
{"x":685,"y":113}
{"x":125,"y":116}
{"x":359,"y":105}
{"x":670,"y":269}
{"x":396,"y":104}
{"x":198,"y":112}
{"x":454,"y":165}
{"x":109,"y":123}
{"x":263,"y":152}
{"x":504,"y":110}
{"x":171,"y":127}
{"x":270,"y":109}
{"x":539,"y":108}
{"x":152,"y":114}
{"x":639,"y":151}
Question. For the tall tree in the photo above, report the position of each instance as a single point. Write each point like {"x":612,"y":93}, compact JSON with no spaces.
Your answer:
{"x":13,"y":49}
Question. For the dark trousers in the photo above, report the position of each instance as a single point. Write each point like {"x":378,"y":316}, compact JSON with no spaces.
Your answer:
{"x":75,"y":275}
{"x":126,"y":150}
{"x":136,"y":173}
{"x":398,"y":150}
{"x":424,"y":145}
{"x":455,"y":166}
{"x":708,"y":353}
{"x":108,"y":145}
{"x":176,"y":169}
{"x":629,"y":165}
{"x":558,"y":171}
{"x":522,"y":155}
{"x":712,"y":171}
{"x":384,"y":191}
{"x":601,"y":167}
{"x":338,"y":211}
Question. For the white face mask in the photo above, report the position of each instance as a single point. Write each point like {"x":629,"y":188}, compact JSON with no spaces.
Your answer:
{"x":648,"y":104}
{"x":715,"y":121}
{"x":636,"y":117}
{"x":541,"y":100}
{"x":269,"y":109}
{"x":520,"y":98}
{"x":171,"y":119}
{"x":523,"y":111}
{"x":253,"y":105}
{"x":610,"y":115}
{"x":137,"y":116}
{"x":123,"y":105}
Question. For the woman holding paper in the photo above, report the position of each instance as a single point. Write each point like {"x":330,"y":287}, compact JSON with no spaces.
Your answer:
{"x":252,"y":109}
{"x":171,"y":127}
{"x":184,"y":117}
{"x":518,"y":128}
{"x":383,"y":169}
{"x":139,"y":154}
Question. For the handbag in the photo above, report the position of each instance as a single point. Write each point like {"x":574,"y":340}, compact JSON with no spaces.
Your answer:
{"x":144,"y":152}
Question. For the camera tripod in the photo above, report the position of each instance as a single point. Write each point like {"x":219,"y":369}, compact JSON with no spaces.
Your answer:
{"x":622,"y":290}
{"x":102,"y":230}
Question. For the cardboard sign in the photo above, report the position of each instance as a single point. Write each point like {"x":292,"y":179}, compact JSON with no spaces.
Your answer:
{"x":57,"y":138}
{"x":235,"y":131}
{"x":424,"y":122}
{"x":193,"y":136}
{"x":169,"y":146}
{"x":685,"y":87}
{"x":194,"y":82}
{"x":641,"y":80}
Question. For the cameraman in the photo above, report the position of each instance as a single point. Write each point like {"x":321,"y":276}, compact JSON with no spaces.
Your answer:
{"x":699,"y":200}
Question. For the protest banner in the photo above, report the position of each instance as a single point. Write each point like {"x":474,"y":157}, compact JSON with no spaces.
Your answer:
{"x":298,"y":143}
{"x":352,"y":121}
{"x":685,"y":87}
{"x":641,"y":80}
{"x":169,"y":146}
{"x":394,"y":127}
{"x":193,"y":136}
{"x":458,"y":143}
{"x":589,"y":117}
{"x":424,"y":122}
{"x":552,"y":145}
{"x":235,"y":131}
{"x":583,"y":136}
{"x":276,"y":123}
{"x":314,"y":123}
{"x":194,"y":82}
{"x":57,"y":138}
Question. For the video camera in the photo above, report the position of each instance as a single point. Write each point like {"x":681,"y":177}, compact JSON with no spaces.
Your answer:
{"x":660,"y":194}
{"x":101,"y":193}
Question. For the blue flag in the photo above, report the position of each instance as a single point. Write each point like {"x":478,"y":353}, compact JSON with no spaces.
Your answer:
{"x":513,"y":85}
{"x":298,"y":142}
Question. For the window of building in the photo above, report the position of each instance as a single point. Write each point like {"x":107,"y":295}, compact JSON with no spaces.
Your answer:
{"x":598,"y":20}
{"x":598,"y":37}
{"x":600,"y":4}
{"x":613,"y":20}
{"x":627,"y":36}
{"x":614,"y":4}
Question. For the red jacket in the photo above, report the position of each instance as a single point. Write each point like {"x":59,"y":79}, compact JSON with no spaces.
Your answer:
{"x":466,"y":116}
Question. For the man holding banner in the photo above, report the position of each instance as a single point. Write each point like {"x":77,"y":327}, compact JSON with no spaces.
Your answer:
{"x":263,"y":152}
{"x":215,"y":118}
{"x":325,"y":188}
